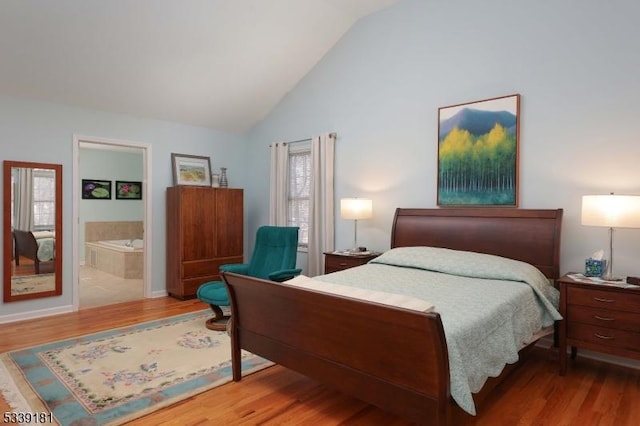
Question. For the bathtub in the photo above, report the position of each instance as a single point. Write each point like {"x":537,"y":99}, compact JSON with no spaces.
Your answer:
{"x":124,"y":244}
{"x":122,"y":258}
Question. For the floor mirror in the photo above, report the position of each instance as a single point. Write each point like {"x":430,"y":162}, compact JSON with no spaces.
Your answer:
{"x":32,"y":230}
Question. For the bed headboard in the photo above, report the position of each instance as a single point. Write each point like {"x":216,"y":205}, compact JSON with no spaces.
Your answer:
{"x":528,"y":235}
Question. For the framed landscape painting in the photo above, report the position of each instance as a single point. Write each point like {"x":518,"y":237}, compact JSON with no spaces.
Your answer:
{"x":191,"y":170}
{"x":478,"y":153}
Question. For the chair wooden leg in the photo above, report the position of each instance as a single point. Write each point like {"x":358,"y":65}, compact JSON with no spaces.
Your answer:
{"x":219,"y":321}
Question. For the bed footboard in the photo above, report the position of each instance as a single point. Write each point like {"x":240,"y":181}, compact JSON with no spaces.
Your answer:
{"x":390,"y":357}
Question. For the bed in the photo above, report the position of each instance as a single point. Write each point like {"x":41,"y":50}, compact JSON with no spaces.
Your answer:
{"x":391,"y":356}
{"x":38,"y":246}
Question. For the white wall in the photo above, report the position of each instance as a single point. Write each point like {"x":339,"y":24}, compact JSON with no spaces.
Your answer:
{"x":575,"y":64}
{"x":43,"y":132}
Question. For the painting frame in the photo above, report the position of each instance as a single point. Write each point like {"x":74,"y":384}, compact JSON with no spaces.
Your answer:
{"x":128,"y":190}
{"x":96,"y":189}
{"x":192,"y":170}
{"x":478,"y":153}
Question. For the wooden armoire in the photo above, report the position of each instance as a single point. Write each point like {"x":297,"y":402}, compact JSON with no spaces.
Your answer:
{"x":204,"y":231}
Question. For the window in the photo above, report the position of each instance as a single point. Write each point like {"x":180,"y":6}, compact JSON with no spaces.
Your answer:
{"x":299,"y":191}
{"x":43,"y":199}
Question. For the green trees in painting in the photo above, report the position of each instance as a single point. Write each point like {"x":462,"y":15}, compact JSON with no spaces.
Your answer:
{"x":477,"y":169}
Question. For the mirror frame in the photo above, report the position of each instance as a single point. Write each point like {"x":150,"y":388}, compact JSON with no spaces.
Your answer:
{"x":8,"y":239}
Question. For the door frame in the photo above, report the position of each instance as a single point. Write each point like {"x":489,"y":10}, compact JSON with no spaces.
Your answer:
{"x":146,"y":190}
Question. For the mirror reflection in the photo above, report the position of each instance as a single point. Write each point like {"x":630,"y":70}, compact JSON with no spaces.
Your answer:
{"x":32,"y":230}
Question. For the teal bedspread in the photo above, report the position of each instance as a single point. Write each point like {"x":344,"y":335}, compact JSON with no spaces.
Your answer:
{"x":45,"y":249}
{"x":46,"y":241}
{"x":490,"y":306}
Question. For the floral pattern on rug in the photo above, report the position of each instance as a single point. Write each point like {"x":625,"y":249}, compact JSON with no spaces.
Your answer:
{"x":94,"y":352}
{"x":105,"y":376}
{"x":197,"y":340}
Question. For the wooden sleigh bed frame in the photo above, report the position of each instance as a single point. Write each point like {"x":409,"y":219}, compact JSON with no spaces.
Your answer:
{"x":26,"y":244}
{"x":391,"y":357}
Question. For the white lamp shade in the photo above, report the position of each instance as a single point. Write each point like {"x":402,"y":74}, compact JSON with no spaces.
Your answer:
{"x":612,"y":211}
{"x":356,"y":208}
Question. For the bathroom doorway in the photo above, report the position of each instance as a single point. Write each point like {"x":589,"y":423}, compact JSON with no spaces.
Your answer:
{"x":111,"y":204}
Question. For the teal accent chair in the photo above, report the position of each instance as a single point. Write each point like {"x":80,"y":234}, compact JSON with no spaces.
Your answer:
{"x":274,"y":258}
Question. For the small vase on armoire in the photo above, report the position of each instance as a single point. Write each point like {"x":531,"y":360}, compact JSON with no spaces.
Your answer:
{"x":224,"y":183}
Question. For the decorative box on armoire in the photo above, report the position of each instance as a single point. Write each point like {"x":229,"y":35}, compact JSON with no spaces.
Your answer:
{"x":204,"y":231}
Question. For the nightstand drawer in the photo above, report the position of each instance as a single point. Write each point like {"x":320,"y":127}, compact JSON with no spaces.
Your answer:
{"x":618,"y":339}
{"x":334,"y":262}
{"x":607,"y":299}
{"x":604,"y":317}
{"x":343,"y":262}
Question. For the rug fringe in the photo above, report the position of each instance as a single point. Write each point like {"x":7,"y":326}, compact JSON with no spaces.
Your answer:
{"x":13,"y":387}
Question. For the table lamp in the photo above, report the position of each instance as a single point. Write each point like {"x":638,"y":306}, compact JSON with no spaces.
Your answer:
{"x":611,"y":211}
{"x":356,"y":209}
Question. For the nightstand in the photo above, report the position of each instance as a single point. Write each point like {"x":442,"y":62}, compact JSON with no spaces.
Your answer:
{"x":338,"y":261}
{"x":598,"y":317}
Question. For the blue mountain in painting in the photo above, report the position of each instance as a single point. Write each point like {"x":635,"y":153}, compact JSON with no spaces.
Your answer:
{"x":478,"y":122}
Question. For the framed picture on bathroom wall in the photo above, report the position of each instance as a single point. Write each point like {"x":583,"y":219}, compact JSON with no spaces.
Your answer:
{"x":128,"y":190}
{"x":94,"y":189}
{"x":191,"y":170}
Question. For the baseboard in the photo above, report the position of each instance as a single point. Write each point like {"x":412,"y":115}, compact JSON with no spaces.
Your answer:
{"x":159,"y":293}
{"x":611,"y":359}
{"x":40,"y":313}
{"x":547,"y":343}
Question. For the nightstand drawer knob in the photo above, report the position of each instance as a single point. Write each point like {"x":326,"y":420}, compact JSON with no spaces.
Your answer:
{"x":600,"y":299}
{"x":600,"y":336}
{"x":603,"y":318}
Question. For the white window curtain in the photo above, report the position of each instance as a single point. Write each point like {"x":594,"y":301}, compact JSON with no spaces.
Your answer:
{"x":321,"y":218}
{"x":321,"y":207}
{"x":23,"y":199}
{"x":278,"y":184}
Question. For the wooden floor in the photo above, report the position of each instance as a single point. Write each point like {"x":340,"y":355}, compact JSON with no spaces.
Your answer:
{"x":25,"y":268}
{"x":592,"y":393}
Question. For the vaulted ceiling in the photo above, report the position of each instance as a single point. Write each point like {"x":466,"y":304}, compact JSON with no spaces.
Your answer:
{"x":222,"y":64}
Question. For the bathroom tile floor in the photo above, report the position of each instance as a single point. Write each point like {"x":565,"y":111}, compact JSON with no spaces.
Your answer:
{"x":99,"y":288}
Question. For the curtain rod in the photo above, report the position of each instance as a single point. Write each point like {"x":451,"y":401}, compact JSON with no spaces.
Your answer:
{"x":298,"y":141}
{"x":332,"y":134}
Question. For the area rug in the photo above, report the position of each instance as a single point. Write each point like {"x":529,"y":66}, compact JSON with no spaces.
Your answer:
{"x":117,"y":375}
{"x":25,"y":284}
